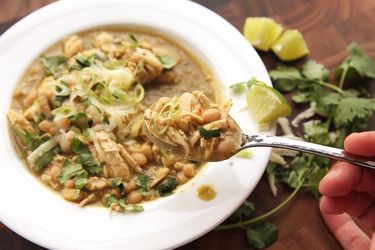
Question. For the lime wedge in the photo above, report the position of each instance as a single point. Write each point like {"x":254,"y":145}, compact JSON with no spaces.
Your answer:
{"x":262,"y":32}
{"x":266,"y":104}
{"x":290,"y":46}
{"x":245,"y":153}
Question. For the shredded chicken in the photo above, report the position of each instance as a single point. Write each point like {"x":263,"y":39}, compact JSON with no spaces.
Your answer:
{"x":158,"y":176}
{"x":132,"y":163}
{"x":18,"y":120}
{"x":115,"y":165}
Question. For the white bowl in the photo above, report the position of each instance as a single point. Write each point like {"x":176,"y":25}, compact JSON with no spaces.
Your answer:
{"x":40,"y":215}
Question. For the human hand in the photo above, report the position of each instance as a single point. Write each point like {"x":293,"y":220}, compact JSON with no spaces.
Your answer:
{"x":350,"y":191}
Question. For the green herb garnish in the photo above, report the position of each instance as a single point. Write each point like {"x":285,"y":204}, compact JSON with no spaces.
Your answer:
{"x":357,"y":63}
{"x":167,"y":187}
{"x":31,"y":141}
{"x":239,"y":87}
{"x":80,"y":120}
{"x":69,"y":170}
{"x":207,"y":134}
{"x":85,"y":157}
{"x":143,"y":182}
{"x":44,"y":160}
{"x":168,"y":62}
{"x":261,"y":235}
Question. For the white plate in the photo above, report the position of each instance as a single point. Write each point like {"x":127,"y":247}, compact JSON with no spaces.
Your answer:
{"x":38,"y":214}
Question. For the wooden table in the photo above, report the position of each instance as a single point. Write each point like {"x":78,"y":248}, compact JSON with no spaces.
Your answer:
{"x":328,"y":26}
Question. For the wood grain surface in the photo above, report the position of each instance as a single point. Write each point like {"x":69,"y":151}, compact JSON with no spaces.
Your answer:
{"x":328,"y":27}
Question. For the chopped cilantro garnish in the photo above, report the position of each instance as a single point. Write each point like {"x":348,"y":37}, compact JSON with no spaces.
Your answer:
{"x":205,"y":133}
{"x":143,"y":182}
{"x":167,"y":187}
{"x":85,"y":157}
{"x":31,"y":141}
{"x":44,"y":160}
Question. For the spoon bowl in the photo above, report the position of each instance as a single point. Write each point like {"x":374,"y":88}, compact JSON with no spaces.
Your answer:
{"x":242,"y":141}
{"x":234,"y":141}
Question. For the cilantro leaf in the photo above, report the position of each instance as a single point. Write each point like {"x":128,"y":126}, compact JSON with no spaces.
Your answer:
{"x":313,"y":179}
{"x":80,"y":180}
{"x":143,"y":182}
{"x":301,"y":97}
{"x":317,"y":132}
{"x":313,"y":70}
{"x":262,"y":234}
{"x":353,"y":107}
{"x":54,"y":65}
{"x":80,"y":120}
{"x":89,"y":163}
{"x":208,"y":133}
{"x":78,"y":147}
{"x":286,"y":78}
{"x":357,"y":63}
{"x":239,"y":87}
{"x":168,"y":62}
{"x":111,"y":200}
{"x":245,"y":210}
{"x":285,"y":72}
{"x":167,"y":187}
{"x":70,"y":170}
{"x":44,"y":160}
{"x":85,"y":157}
{"x":115,"y":182}
{"x":31,"y":141}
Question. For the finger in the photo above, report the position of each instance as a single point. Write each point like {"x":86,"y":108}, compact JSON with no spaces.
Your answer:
{"x":347,"y":232}
{"x":361,"y":205}
{"x":336,"y":205}
{"x":373,"y":242}
{"x":341,"y":179}
{"x":368,"y":219}
{"x":361,"y":143}
{"x":367,"y":182}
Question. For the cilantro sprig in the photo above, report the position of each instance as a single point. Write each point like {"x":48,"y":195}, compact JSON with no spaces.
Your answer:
{"x":339,"y":112}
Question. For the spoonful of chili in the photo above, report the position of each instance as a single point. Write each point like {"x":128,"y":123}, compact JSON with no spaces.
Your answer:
{"x":191,"y":127}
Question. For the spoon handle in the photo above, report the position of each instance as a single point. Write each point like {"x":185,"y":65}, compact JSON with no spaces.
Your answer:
{"x":259,"y":140}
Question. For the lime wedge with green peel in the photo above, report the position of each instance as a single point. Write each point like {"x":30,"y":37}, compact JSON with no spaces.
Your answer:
{"x":262,"y":32}
{"x":266,"y":103}
{"x":290,"y":46}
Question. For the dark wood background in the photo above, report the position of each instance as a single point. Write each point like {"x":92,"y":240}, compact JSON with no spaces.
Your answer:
{"x":328,"y":27}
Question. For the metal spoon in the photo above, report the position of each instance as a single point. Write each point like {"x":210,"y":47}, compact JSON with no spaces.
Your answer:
{"x":244,"y":141}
